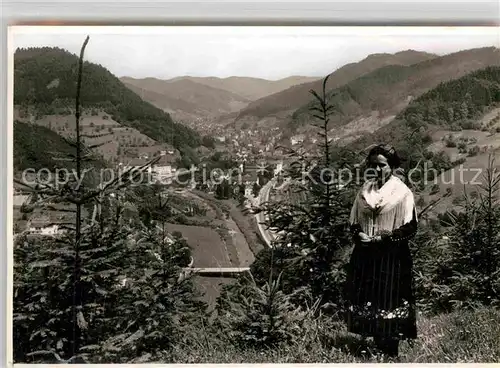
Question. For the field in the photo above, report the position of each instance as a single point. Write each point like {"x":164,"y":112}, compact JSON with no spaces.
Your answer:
{"x":488,"y":143}
{"x":474,"y":170}
{"x":208,"y":249}
{"x":119,"y":142}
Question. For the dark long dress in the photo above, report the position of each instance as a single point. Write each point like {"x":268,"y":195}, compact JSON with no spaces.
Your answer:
{"x":379,"y":286}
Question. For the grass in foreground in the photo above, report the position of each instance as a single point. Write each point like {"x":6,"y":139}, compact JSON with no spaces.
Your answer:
{"x":465,"y":336}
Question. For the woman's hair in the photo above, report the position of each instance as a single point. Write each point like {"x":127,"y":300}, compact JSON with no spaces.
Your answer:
{"x":389,"y":152}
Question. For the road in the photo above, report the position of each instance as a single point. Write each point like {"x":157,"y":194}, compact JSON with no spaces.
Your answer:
{"x":243,"y":252}
{"x":263,"y":197}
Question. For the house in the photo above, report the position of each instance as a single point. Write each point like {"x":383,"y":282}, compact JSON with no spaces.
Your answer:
{"x":44,"y":227}
{"x":20,"y":199}
{"x":163,"y":171}
{"x":296,"y":139}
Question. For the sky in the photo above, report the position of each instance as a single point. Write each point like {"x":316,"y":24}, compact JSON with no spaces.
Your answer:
{"x":261,"y":52}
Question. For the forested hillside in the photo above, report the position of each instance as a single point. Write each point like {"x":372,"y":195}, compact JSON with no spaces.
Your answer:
{"x":35,"y":147}
{"x":296,"y":96}
{"x":388,"y":89}
{"x":454,"y":104}
{"x":46,"y":78}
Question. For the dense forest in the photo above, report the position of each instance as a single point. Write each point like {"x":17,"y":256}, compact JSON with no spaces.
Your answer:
{"x":454,"y":105}
{"x":35,"y":147}
{"x":387,"y":87}
{"x":46,"y":77}
{"x":378,"y":90}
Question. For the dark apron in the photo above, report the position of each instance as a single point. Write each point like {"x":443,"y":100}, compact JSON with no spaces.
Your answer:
{"x":380,"y":300}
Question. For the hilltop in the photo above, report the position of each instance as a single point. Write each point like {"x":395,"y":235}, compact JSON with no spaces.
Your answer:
{"x":296,"y":96}
{"x":247,"y":87}
{"x":388,"y":90}
{"x":191,"y":98}
{"x":185,"y":99}
{"x":367,"y":102}
{"x":45,"y":82}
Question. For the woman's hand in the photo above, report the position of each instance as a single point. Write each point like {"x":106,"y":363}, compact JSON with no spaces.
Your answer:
{"x":364,"y":238}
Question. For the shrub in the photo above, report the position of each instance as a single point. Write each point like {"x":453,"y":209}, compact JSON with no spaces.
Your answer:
{"x":468,"y":125}
{"x":474,"y":151}
{"x":260,"y":317}
{"x":435,"y":189}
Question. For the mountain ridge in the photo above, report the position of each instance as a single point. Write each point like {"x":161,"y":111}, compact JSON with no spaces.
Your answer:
{"x":45,"y":78}
{"x":186,"y":98}
{"x":250,"y":87}
{"x":299,"y":95}
{"x":378,"y":95}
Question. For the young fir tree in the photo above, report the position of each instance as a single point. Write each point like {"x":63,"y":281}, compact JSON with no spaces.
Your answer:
{"x":461,"y":268}
{"x":159,"y":300}
{"x":68,"y":302}
{"x":313,"y":235}
{"x":57,"y":268}
{"x":258,"y":316}
{"x":475,"y":245}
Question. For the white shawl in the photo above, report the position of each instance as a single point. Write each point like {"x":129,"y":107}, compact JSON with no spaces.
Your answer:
{"x":383,"y":209}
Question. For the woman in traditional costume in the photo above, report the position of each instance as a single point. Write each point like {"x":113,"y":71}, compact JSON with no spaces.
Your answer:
{"x":379,"y":284}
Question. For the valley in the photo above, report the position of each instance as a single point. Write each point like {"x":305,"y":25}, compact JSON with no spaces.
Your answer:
{"x":250,"y":121}
{"x":200,"y":167}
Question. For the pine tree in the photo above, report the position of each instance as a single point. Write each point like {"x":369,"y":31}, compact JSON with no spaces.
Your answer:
{"x":158,"y":301}
{"x":314,"y":229}
{"x":462,"y":270}
{"x":259,"y":317}
{"x":63,"y":286}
